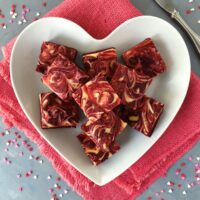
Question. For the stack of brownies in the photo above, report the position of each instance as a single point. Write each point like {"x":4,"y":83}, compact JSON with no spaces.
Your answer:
{"x":110,"y":94}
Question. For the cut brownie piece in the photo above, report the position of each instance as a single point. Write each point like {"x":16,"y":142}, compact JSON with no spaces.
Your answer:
{"x":104,"y":131}
{"x":102,"y":62}
{"x":145,"y":117}
{"x":56,"y":113}
{"x":145,"y":59}
{"x":129,"y":85}
{"x":94,"y":153}
{"x":49,"y":51}
{"x":64,"y":77}
{"x":98,"y":92}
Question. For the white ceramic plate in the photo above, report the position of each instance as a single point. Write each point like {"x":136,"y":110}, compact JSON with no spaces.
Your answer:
{"x":170,"y":88}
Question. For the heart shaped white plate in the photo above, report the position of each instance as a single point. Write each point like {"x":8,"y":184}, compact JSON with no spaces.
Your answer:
{"x":170,"y":88}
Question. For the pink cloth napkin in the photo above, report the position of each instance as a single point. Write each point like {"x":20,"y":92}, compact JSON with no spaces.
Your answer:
{"x":99,"y":18}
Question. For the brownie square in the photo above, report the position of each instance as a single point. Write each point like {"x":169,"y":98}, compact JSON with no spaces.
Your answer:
{"x":100,"y":62}
{"x":56,"y":113}
{"x":145,"y":117}
{"x":64,"y":77}
{"x":104,"y":131}
{"x":98,"y":92}
{"x":145,"y":59}
{"x":49,"y":52}
{"x":94,"y":153}
{"x":129,"y":85}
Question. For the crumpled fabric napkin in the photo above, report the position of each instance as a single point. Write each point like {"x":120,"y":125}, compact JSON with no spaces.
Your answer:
{"x":99,"y":18}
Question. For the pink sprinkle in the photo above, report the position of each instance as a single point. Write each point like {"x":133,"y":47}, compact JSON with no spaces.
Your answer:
{"x":196,"y":165}
{"x":179,"y":185}
{"x":17,"y":145}
{"x":188,"y":11}
{"x":19,"y":136}
{"x":199,"y":7}
{"x":9,"y":162}
{"x":6,"y":149}
{"x":182,"y":164}
{"x":162,"y":191}
{"x":190,"y":158}
{"x":44,"y":4}
{"x":16,"y":133}
{"x":27,"y":174}
{"x":24,"y":142}
{"x":35,"y":19}
{"x":19,"y":175}
{"x":58,"y":179}
{"x":149,"y":198}
{"x":30,"y":149}
{"x":2,"y":134}
{"x":183,"y":176}
{"x":21,"y":153}
{"x":20,"y":189}
{"x":157,"y":193}
{"x":23,"y":6}
{"x":28,"y":9}
{"x":5,"y":159}
{"x":192,"y":184}
{"x":50,"y":190}
{"x":37,"y":158}
{"x":178,"y":171}
{"x":170,"y":183}
{"x":58,"y":187}
{"x":198,"y":182}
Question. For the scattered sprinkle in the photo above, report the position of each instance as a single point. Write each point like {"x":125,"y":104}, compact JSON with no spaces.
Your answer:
{"x":35,"y":177}
{"x":183,"y":176}
{"x":49,"y":177}
{"x":20,"y":189}
{"x":41,"y":161}
{"x":184,"y":192}
{"x":66,"y":191}
{"x":170,"y":190}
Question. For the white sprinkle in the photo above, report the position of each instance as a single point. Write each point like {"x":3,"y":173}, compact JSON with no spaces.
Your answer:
{"x":7,"y":131}
{"x":170,"y":190}
{"x":55,"y":185}
{"x":168,"y":183}
{"x":198,"y":21}
{"x":35,"y":176}
{"x":189,"y":186}
{"x":198,"y":178}
{"x":14,"y":15}
{"x":24,"y":20}
{"x":184,"y":192}
{"x":7,"y":143}
{"x":190,"y":1}
{"x":192,"y":9}
{"x":37,"y":14}
{"x":65,"y":191}
{"x":11,"y":12}
{"x":60,"y":195}
{"x":49,"y":177}
{"x":19,"y":22}
{"x":198,"y":158}
{"x":30,"y":157}
{"x":41,"y":161}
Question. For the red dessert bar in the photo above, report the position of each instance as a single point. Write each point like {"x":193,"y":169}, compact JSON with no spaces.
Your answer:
{"x":145,"y":59}
{"x":102,"y":62}
{"x":64,"y":77}
{"x":98,"y":92}
{"x":145,"y":118}
{"x":94,"y":153}
{"x":56,"y":113}
{"x":104,"y":131}
{"x":129,"y":85}
{"x":49,"y":52}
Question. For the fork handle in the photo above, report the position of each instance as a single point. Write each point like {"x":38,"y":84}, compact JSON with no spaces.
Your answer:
{"x":194,"y":37}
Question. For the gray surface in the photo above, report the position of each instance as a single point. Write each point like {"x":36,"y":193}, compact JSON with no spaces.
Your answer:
{"x":39,"y":191}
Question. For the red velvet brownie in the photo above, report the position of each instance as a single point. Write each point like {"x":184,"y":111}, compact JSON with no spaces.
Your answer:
{"x":56,"y":113}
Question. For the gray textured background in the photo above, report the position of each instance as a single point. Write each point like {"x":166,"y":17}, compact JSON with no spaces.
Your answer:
{"x":39,"y":190}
